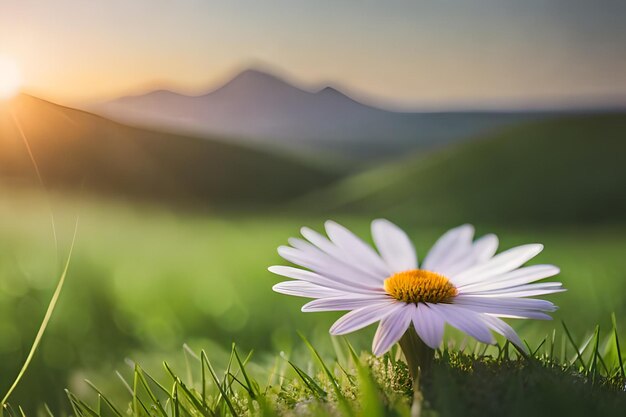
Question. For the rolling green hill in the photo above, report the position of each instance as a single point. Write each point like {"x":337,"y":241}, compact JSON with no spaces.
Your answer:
{"x":565,"y":170}
{"x":75,"y":149}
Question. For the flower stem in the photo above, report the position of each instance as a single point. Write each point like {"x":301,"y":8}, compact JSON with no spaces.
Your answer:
{"x":419,"y":359}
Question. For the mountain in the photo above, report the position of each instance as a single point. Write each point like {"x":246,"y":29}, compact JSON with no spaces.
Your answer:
{"x":258,"y":106}
{"x":75,"y":149}
{"x":567,"y":170}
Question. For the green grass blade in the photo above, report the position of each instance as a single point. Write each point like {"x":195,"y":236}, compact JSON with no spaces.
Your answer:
{"x":126,"y":385}
{"x":533,"y":353}
{"x":205,"y":411}
{"x":136,"y":401}
{"x":593,"y":361}
{"x":44,"y":323}
{"x":369,"y":395}
{"x":156,"y":384}
{"x":617,"y":347}
{"x":571,"y":340}
{"x":309,"y":382}
{"x":221,"y":388}
{"x":253,"y":389}
{"x":72,"y":403}
{"x":343,"y":403}
{"x":106,"y":400}
{"x":79,"y":407}
{"x":327,"y":371}
{"x":353,"y":354}
{"x":177,"y":406}
{"x":175,"y":403}
{"x":144,"y":383}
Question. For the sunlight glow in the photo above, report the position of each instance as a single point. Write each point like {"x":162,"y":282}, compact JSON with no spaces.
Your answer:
{"x":10,"y":78}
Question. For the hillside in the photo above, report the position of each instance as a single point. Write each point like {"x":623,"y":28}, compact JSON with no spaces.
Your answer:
{"x":261,"y":107}
{"x":555,"y":171}
{"x":75,"y":149}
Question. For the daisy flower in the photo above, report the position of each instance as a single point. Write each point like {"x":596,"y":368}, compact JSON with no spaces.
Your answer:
{"x":461,"y":282}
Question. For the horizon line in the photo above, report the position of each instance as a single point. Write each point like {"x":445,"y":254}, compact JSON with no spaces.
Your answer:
{"x":580,"y":103}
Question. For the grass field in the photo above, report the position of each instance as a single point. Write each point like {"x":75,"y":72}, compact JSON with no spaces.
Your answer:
{"x":75,"y":150}
{"x":566,"y":170}
{"x":144,"y":281}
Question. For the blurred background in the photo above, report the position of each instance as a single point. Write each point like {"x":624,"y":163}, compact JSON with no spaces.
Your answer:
{"x":194,"y":137}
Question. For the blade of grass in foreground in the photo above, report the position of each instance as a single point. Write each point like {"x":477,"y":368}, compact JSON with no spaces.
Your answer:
{"x":619,"y":352}
{"x":44,"y":323}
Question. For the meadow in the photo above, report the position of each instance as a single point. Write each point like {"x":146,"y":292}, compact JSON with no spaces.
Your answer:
{"x":145,"y":280}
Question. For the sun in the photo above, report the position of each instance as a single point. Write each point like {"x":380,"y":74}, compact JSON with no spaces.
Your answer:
{"x":10,"y":78}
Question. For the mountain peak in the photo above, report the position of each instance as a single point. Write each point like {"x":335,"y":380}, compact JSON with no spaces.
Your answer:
{"x":256,"y":76}
{"x":255,"y":73}
{"x":329,"y":91}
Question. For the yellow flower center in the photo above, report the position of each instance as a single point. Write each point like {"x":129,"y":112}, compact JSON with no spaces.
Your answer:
{"x":418,"y":285}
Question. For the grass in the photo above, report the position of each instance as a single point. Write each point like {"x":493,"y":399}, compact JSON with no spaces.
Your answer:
{"x":143,"y":281}
{"x":79,"y":151}
{"x":560,"y":377}
{"x":42,"y":328}
{"x":558,"y":171}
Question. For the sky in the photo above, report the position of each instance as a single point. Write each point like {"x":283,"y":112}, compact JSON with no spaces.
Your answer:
{"x":406,"y":54}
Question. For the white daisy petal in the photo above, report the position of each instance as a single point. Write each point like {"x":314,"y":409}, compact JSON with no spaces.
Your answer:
{"x":394,"y":246}
{"x":312,"y":277}
{"x":362,"y":317}
{"x":493,"y":307}
{"x":315,"y":254}
{"x":510,"y":313}
{"x":298,"y":243}
{"x":499,"y":264}
{"x":515,"y":303}
{"x":326,"y":266}
{"x":344,"y":302}
{"x":514,"y":278}
{"x":354,"y":247}
{"x":523,"y":290}
{"x":449,"y":247}
{"x":391,"y":329}
{"x":429,"y":325}
{"x":305,"y":289}
{"x":482,"y":250}
{"x":465,"y":320}
{"x":505,"y":330}
{"x":485,"y":247}
{"x":322,"y":243}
